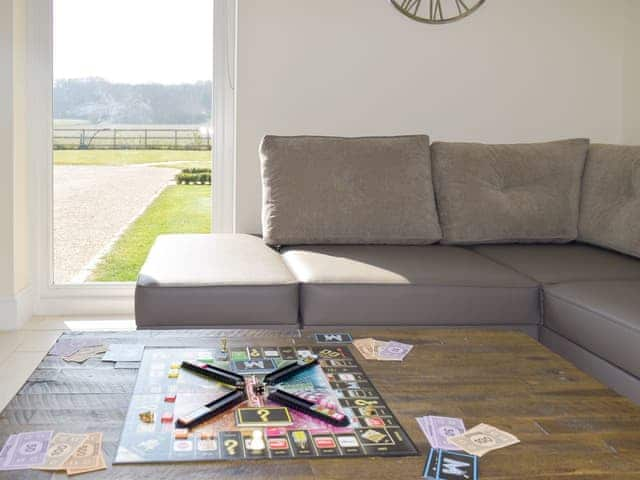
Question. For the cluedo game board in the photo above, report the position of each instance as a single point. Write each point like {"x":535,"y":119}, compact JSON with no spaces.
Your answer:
{"x":168,"y":395}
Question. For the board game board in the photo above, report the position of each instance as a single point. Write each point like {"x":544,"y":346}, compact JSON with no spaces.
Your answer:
{"x":338,"y":380}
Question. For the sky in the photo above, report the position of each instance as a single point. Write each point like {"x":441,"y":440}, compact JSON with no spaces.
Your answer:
{"x":134,"y":41}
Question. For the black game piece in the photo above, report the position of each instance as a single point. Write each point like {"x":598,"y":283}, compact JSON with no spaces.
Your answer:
{"x":309,"y":408}
{"x":219,"y":374}
{"x":289,"y":370}
{"x":212,"y":409}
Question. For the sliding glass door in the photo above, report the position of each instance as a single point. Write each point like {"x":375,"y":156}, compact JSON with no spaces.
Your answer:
{"x":132,"y":133}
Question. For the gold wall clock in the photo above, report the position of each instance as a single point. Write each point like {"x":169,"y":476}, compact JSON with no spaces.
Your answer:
{"x":437,"y":11}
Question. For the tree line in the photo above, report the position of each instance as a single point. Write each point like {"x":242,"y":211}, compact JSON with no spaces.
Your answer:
{"x":99,"y":101}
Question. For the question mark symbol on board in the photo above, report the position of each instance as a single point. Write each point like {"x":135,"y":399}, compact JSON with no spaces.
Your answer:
{"x":231,"y":446}
{"x":365,"y":403}
{"x":263,"y":414}
{"x":329,"y":353}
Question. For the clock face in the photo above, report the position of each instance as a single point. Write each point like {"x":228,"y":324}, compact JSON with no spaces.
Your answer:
{"x":437,"y":11}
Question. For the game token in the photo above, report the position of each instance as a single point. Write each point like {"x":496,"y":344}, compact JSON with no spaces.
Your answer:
{"x":173,"y":373}
{"x":174,"y":366}
{"x":167,"y":418}
{"x":147,"y":417}
{"x":257,"y":441}
{"x":369,"y":411}
{"x":181,"y":433}
{"x":170,"y":399}
{"x":300,"y":438}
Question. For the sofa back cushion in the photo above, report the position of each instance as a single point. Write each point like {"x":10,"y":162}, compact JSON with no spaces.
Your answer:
{"x":525,"y":193}
{"x":610,"y":209}
{"x":373,"y":190}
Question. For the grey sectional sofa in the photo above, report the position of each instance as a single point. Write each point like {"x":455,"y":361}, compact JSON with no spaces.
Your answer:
{"x":543,"y":238}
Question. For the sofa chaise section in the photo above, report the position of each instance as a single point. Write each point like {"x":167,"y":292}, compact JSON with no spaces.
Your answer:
{"x":603,"y":320}
{"x":409,"y":285}
{"x":217,"y":280}
{"x":596,"y":322}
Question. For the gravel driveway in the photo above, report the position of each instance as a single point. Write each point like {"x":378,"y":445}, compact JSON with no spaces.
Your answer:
{"x":91,"y":205}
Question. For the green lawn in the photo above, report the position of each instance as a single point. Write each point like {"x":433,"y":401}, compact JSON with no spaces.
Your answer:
{"x":168,"y":158}
{"x":178,"y":209}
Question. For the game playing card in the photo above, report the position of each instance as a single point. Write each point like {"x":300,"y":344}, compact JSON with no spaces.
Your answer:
{"x":28,"y":450}
{"x":394,"y":351}
{"x":332,"y":337}
{"x":68,"y":346}
{"x":130,"y":365}
{"x":482,"y":439}
{"x":431,"y":465}
{"x":456,"y":466}
{"x":125,"y":352}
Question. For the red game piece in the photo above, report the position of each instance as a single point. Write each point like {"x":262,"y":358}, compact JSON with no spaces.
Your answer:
{"x":325,"y":442}
{"x":375,"y":422}
{"x":278,"y":444}
{"x":170,"y":399}
{"x":167,"y":418}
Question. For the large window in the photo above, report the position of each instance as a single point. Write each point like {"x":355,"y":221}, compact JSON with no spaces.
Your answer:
{"x":132,"y":132}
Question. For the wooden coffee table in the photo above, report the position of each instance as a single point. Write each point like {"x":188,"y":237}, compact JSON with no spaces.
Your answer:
{"x":570,"y":426}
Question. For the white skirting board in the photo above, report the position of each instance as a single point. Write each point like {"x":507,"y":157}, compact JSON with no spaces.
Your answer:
{"x":16,"y":310}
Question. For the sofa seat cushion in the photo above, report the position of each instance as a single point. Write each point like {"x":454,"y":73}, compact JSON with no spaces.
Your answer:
{"x":524,"y":193}
{"x":370,"y":190}
{"x":563,"y":263}
{"x":214,"y":280}
{"x":601,"y":317}
{"x":408,"y":285}
{"x":610,"y":209}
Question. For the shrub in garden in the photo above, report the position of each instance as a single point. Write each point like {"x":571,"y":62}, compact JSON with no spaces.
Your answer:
{"x":194,"y":176}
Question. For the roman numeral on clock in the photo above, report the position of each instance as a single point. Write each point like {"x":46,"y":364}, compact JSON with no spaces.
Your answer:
{"x":437,"y":11}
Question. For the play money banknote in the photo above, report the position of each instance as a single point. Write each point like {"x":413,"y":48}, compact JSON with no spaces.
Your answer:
{"x":61,"y":448}
{"x":88,"y":457}
{"x":439,"y":429}
{"x":394,"y":351}
{"x":7,"y":450}
{"x":85,"y":353}
{"x":483,"y":439}
{"x":366,"y":347}
{"x":29,"y":450}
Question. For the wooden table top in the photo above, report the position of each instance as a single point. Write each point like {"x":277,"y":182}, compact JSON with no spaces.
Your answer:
{"x":569,"y":425}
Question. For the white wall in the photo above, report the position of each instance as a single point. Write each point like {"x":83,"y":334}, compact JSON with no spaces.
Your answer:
{"x":20,"y":160}
{"x":631,"y":78}
{"x":6,"y":150}
{"x":14,"y":182}
{"x":513,"y":71}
